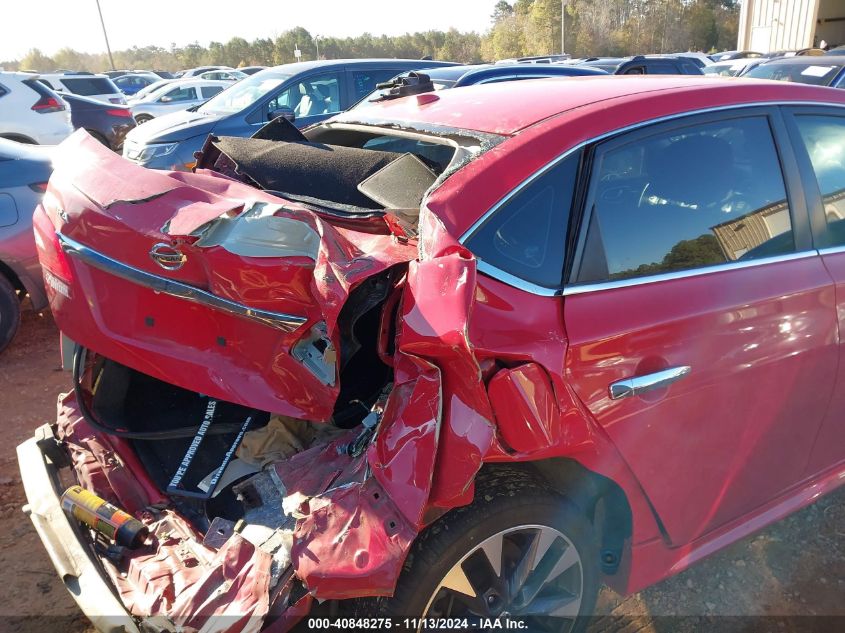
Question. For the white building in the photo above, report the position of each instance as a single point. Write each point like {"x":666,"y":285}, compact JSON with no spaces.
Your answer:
{"x":775,"y":25}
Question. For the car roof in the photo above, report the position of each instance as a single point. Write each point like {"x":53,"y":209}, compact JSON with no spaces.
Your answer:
{"x":299,"y":67}
{"x":809,"y":60}
{"x":498,"y":109}
{"x":190,"y":82}
{"x":453,"y":72}
{"x":71,"y":75}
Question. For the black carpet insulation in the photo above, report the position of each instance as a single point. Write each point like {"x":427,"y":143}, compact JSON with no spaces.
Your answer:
{"x":326,"y":172}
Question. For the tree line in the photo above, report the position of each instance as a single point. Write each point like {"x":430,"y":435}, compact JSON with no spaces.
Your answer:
{"x":517,"y":29}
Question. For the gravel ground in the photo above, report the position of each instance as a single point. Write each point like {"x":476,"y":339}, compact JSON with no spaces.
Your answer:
{"x":794,"y":568}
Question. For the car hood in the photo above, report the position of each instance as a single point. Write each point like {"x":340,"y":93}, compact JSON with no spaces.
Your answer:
{"x":174,"y":127}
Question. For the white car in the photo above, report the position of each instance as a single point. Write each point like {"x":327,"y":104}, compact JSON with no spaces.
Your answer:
{"x":731,"y":67}
{"x":223,"y":75}
{"x":143,"y":92}
{"x":30,"y":112}
{"x":194,"y":72}
{"x":175,"y":96}
{"x":99,"y":87}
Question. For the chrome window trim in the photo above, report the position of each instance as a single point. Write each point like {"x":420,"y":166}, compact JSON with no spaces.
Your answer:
{"x":279,"y":320}
{"x":567,"y":289}
{"x":683,"y":274}
{"x":832,"y":250}
{"x":517,"y":282}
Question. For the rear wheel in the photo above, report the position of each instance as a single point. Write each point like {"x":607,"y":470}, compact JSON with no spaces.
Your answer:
{"x":10,"y":312}
{"x":143,"y":118}
{"x":99,"y":137}
{"x":519,"y":550}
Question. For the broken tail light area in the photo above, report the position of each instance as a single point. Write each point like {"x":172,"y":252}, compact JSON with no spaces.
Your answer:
{"x":58,"y":276}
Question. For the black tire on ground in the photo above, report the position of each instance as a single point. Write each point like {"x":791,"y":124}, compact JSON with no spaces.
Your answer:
{"x":143,"y":118}
{"x":99,"y":137}
{"x":10,"y":312}
{"x":505,"y":498}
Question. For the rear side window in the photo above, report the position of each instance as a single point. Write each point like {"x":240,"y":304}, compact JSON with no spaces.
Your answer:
{"x":210,"y":91}
{"x":3,"y":90}
{"x":662,"y":68}
{"x":180,"y":94}
{"x":88,"y":86}
{"x":824,"y":138}
{"x":364,"y":81}
{"x":526,"y":236}
{"x":693,"y":197}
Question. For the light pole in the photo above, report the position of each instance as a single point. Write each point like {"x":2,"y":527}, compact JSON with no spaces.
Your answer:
{"x":105,"y":35}
{"x":562,"y":26}
{"x":317,"y":42}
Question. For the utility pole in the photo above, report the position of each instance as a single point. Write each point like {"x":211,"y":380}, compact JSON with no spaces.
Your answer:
{"x":317,"y":42}
{"x":105,"y":35}
{"x":562,"y":26}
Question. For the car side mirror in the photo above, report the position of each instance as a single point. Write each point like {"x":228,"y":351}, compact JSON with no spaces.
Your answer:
{"x":284,"y":112}
{"x":166,"y":99}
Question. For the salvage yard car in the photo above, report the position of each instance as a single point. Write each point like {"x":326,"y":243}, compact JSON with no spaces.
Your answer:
{"x":459,"y":355}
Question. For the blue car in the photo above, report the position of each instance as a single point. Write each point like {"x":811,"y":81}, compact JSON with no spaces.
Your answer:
{"x":304,"y":92}
{"x":131,"y":83}
{"x":458,"y":76}
{"x":24,"y":172}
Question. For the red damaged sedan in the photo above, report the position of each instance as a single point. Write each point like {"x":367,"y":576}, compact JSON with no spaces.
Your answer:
{"x":453,"y":357}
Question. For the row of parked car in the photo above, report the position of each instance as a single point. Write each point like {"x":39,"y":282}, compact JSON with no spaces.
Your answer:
{"x":180,"y":110}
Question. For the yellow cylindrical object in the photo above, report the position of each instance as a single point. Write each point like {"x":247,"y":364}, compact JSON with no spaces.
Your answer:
{"x":100,"y":515}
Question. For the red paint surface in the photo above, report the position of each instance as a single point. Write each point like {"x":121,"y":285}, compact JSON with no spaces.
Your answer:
{"x":483,"y":372}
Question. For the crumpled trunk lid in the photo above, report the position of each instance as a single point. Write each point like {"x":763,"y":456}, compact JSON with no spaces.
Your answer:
{"x":201,"y":280}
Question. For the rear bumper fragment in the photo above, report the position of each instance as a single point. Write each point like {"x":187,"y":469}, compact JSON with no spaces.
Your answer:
{"x":61,"y":539}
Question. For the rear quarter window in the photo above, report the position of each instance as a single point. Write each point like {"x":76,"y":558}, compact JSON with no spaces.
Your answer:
{"x":526,"y":236}
{"x":210,"y":91}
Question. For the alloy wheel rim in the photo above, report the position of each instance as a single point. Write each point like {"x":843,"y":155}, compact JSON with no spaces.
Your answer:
{"x":532,"y":572}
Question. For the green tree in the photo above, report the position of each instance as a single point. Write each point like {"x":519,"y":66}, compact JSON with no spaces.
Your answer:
{"x":501,"y":11}
{"x":36,"y":60}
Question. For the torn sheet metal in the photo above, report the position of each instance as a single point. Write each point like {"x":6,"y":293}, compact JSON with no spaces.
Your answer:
{"x":351,"y":538}
{"x":258,"y":232}
{"x":169,"y":338}
{"x":360,"y":516}
{"x":527,"y":413}
{"x":105,"y":465}
{"x":176,"y":578}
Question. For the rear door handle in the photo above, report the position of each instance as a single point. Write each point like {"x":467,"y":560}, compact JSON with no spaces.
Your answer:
{"x":636,"y":385}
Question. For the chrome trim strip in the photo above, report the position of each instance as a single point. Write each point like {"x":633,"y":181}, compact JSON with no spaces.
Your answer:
{"x":682,"y":274}
{"x":635,"y":385}
{"x":521,"y":284}
{"x":832,"y":250}
{"x":281,"y":321}
{"x":516,"y":282}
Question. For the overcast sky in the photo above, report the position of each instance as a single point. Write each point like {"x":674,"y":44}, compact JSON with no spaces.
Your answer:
{"x":53,"y":24}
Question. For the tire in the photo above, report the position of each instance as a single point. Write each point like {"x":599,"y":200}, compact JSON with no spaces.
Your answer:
{"x":143,"y":118}
{"x":99,"y":137}
{"x":10,"y":312}
{"x":512,"y":507}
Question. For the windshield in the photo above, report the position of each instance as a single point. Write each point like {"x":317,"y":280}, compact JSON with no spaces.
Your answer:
{"x":163,"y":89}
{"x":816,"y":74}
{"x":725,"y":70}
{"x":243,"y":94}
